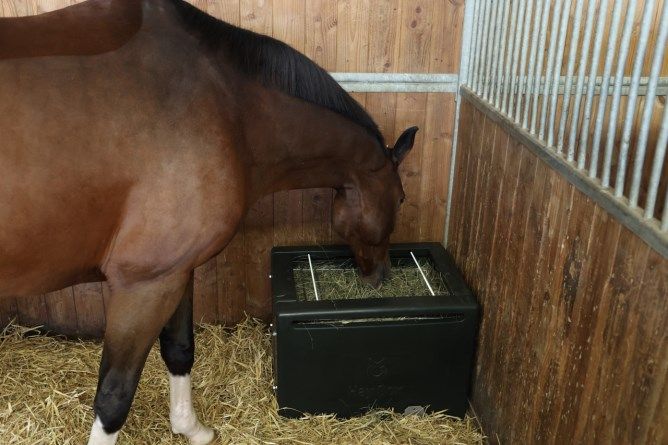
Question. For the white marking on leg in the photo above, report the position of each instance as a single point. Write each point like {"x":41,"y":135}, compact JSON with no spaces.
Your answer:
{"x":98,"y":436}
{"x":181,"y":413}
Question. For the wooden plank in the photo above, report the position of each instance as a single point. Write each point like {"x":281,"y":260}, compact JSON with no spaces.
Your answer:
{"x":257,"y":242}
{"x":15,"y":8}
{"x":321,"y":24}
{"x":470,"y":179}
{"x":31,"y":311}
{"x":499,"y":150}
{"x":436,"y":155}
{"x":500,"y":302}
{"x":414,"y":41}
{"x":106,"y":295}
{"x":411,"y":110}
{"x":444,"y":18}
{"x":481,"y":197}
{"x":384,"y":26}
{"x":483,"y":286}
{"x":557,"y":220}
{"x":655,"y":420}
{"x":89,"y":303}
{"x":8,"y":311}
{"x":232,"y":267}
{"x":466,"y":125}
{"x":288,"y":23}
{"x":62,"y":313}
{"x":568,"y":278}
{"x":243,"y":267}
{"x":526,"y":370}
{"x":643,"y":378}
{"x":205,"y":293}
{"x":352,"y":35}
{"x":229,"y":9}
{"x":591,"y":323}
{"x":513,"y":305}
{"x":622,"y":330}
{"x":320,"y":46}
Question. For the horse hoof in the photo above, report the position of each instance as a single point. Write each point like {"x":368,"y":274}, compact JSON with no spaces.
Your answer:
{"x":203,"y":436}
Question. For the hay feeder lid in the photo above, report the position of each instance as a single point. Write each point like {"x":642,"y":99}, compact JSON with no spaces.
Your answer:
{"x":344,"y":354}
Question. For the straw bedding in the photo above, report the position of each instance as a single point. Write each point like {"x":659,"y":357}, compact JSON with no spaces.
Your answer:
{"x":47,"y":386}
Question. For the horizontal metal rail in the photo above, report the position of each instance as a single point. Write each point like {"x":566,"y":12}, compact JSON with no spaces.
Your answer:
{"x":447,"y":83}
{"x":397,"y":82}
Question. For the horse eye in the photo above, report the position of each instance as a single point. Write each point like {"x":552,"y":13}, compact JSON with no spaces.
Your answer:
{"x":401,"y":201}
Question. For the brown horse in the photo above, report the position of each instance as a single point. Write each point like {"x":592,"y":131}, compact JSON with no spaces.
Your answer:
{"x":135,"y":134}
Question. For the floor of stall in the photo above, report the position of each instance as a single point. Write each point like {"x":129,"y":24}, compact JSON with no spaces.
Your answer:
{"x":47,"y":387}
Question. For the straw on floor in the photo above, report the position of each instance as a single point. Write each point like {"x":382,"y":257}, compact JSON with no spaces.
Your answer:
{"x":47,"y":386}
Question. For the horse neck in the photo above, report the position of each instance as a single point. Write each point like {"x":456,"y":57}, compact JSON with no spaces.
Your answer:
{"x":295,"y":145}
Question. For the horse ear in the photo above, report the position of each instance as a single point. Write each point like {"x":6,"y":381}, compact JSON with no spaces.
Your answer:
{"x":403,"y":145}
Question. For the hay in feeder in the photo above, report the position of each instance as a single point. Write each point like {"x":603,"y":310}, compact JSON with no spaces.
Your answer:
{"x":47,"y":387}
{"x":339,"y":280}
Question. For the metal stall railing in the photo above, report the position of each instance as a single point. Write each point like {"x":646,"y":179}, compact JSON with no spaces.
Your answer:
{"x":580,"y":83}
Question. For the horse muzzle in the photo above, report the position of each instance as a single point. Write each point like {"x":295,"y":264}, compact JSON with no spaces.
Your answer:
{"x":380,"y":273}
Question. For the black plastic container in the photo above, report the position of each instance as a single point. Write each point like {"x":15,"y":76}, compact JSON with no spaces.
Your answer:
{"x":346,"y":356}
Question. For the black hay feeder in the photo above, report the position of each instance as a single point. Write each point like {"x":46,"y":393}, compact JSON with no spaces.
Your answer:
{"x":342,"y":355}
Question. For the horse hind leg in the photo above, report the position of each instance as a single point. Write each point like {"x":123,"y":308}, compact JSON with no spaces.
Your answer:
{"x":177,"y":347}
{"x":135,"y":317}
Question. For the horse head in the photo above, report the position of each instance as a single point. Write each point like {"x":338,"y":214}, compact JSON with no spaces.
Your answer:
{"x":365,"y":211}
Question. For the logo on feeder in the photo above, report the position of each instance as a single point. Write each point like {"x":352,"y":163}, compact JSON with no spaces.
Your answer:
{"x":374,"y":392}
{"x":376,"y":367}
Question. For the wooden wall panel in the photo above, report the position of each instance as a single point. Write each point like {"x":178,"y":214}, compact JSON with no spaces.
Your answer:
{"x":572,"y":346}
{"x":340,"y":35}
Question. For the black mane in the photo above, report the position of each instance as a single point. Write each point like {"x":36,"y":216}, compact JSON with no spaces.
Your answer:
{"x":276,"y":65}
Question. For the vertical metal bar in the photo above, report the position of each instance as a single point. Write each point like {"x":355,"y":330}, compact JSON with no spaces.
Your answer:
{"x":641,"y":49}
{"x":521,"y":89}
{"x":467,"y":56}
{"x":426,"y":281}
{"x":315,"y":287}
{"x":532,"y":60}
{"x":485,"y":39}
{"x":664,"y":218}
{"x":565,"y":15}
{"x":539,"y":65}
{"x":511,"y":40}
{"x":516,"y":55}
{"x":657,"y":166}
{"x":493,"y":31}
{"x":468,"y":51}
{"x":605,"y":87}
{"x":572,"y":52}
{"x":502,"y":51}
{"x":554,"y":33}
{"x":481,"y":36}
{"x":586,"y":43}
{"x":655,"y":71}
{"x":475,"y":38}
{"x":617,"y":92}
{"x":496,"y":52}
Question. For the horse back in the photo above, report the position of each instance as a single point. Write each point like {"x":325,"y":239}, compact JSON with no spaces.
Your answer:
{"x":124,"y":160}
{"x":92,"y":27}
